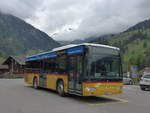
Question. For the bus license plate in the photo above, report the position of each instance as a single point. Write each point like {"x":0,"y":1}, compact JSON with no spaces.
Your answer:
{"x":108,"y":93}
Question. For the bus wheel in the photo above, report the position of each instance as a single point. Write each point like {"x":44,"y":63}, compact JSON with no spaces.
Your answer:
{"x":60,"y":88}
{"x":130,"y":82}
{"x":35,"y":83}
{"x":142,"y":88}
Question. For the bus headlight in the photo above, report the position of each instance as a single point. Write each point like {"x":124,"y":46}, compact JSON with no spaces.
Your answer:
{"x":90,"y":88}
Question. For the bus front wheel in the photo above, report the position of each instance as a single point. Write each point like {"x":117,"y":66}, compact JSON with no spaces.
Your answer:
{"x":60,"y":88}
{"x":35,"y":83}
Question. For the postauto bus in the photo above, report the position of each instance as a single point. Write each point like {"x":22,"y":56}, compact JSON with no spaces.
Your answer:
{"x":85,"y":69}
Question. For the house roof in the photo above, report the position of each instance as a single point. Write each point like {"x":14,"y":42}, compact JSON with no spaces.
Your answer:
{"x":18,"y":59}
{"x":3,"y":66}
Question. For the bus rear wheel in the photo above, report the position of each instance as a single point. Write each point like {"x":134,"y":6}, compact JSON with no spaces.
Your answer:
{"x":35,"y":83}
{"x":130,"y":82}
{"x":60,"y":88}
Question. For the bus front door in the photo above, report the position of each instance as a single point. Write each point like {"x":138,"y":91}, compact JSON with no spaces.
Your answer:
{"x":74,"y":84}
{"x":72,"y":73}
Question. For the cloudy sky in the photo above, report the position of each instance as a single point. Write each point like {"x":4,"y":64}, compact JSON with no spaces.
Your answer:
{"x":78,"y":19}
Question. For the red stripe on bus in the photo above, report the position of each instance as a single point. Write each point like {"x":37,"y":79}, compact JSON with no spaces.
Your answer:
{"x":101,"y":82}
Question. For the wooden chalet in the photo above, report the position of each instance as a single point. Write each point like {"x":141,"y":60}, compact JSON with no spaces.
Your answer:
{"x":3,"y":69}
{"x":16,"y":64}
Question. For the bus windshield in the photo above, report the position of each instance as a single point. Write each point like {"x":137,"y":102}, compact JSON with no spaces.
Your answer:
{"x":104,"y":64}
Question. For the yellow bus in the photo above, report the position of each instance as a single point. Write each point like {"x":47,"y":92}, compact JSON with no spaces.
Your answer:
{"x":84,"y":69}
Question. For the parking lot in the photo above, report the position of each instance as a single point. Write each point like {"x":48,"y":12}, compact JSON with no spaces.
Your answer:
{"x":17,"y":97}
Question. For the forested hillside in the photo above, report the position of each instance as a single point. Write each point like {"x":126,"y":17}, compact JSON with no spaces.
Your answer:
{"x":134,"y":44}
{"x":20,"y":38}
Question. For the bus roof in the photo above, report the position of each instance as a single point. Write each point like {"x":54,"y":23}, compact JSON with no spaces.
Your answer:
{"x":53,"y":54}
{"x":86,"y":44}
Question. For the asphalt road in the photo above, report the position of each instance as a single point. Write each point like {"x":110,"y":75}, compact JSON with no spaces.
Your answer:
{"x":17,"y":97}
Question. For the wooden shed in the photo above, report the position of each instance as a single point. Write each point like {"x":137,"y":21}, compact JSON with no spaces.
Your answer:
{"x":3,"y":69}
{"x":16,"y":64}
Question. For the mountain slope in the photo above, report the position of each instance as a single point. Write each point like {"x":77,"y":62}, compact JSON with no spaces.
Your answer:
{"x":19,"y":38}
{"x":134,"y":44}
{"x":141,"y":25}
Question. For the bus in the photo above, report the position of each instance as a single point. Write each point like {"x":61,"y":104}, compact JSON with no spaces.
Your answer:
{"x":83,"y":69}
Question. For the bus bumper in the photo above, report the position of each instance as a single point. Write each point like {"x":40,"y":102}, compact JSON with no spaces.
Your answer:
{"x":97,"y":89}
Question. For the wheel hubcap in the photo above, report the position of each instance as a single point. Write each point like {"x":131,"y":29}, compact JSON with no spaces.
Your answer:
{"x":60,"y":88}
{"x":35,"y":84}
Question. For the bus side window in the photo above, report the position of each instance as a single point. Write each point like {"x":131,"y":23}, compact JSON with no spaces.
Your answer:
{"x":33,"y":67}
{"x":52,"y":67}
{"x":61,"y":64}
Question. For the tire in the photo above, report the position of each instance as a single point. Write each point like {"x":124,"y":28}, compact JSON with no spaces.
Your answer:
{"x":60,"y":88}
{"x":35,"y":83}
{"x":142,"y":88}
{"x":130,"y":82}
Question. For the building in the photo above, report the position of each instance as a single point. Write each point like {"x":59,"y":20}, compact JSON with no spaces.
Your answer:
{"x":16,"y":64}
{"x":3,"y":69}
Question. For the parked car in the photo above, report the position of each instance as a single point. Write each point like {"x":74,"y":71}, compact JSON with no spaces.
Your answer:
{"x":127,"y":80}
{"x":145,"y":81}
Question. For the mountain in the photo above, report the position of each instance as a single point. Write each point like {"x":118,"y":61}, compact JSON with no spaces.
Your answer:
{"x":141,"y":25}
{"x":86,"y":40}
{"x":134,"y":44}
{"x":20,"y":38}
{"x":63,"y":43}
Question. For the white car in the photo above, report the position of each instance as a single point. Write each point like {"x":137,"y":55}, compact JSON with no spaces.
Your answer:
{"x":127,"y":80}
{"x":145,"y":81}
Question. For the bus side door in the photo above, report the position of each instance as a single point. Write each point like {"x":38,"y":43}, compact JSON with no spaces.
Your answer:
{"x":42,"y":80}
{"x":75,"y":72}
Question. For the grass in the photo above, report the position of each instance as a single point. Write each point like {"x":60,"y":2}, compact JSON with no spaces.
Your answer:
{"x":1,"y":60}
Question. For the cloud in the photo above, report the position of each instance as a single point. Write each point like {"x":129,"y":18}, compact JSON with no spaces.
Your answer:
{"x":79,"y":19}
{"x":21,"y":8}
